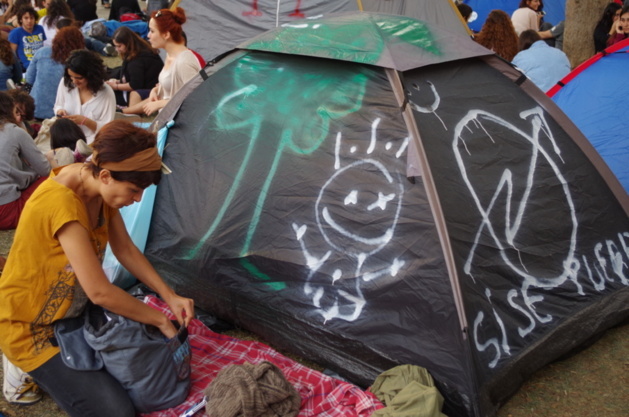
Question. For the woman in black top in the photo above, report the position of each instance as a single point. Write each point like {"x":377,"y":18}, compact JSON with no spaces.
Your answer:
{"x":140,"y":68}
{"x":603,"y":28}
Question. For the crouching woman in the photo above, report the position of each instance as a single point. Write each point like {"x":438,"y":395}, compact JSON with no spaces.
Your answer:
{"x":55,"y":266}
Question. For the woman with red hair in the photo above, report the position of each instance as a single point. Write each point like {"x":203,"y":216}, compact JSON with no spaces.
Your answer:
{"x":499,"y":35}
{"x":165,"y":32}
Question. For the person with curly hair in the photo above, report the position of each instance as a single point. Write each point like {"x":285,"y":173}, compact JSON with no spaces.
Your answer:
{"x":527,"y":16}
{"x":22,"y":166}
{"x":83,"y":96}
{"x":24,"y":109}
{"x":56,"y":10}
{"x":499,"y":35}
{"x":28,"y":38}
{"x":47,"y":68}
{"x":10,"y":68}
{"x":166,"y":32}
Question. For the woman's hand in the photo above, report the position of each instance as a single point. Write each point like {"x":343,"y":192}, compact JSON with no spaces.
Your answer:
{"x":168,"y":329}
{"x":182,"y":308}
{"x":62,"y":113}
{"x":153,"y":95}
{"x":152,"y":106}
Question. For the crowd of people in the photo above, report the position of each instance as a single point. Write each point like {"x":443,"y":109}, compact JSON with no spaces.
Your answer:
{"x":66,"y":167}
{"x":535,"y":46}
{"x":93,"y":165}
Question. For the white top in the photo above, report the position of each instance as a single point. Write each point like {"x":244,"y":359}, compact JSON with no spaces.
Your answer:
{"x":101,"y":108}
{"x":523,"y":19}
{"x":182,"y":69}
{"x":49,"y":31}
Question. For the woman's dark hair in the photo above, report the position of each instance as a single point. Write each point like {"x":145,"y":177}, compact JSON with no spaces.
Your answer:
{"x":625,"y":9}
{"x":66,"y":40}
{"x":607,"y":19}
{"x":170,"y":21}
{"x":6,"y":109}
{"x":119,"y":140}
{"x":25,"y":101}
{"x":24,"y":10}
{"x":465,"y":10}
{"x":528,"y":38}
{"x":133,"y":43}
{"x":6,"y":53}
{"x":57,"y":9}
{"x":87,"y":64}
{"x":64,"y":133}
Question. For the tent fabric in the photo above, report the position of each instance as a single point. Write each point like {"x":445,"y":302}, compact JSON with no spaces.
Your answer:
{"x":291,"y":213}
{"x":215,"y":27}
{"x":591,"y":97}
{"x":555,"y":10}
{"x":390,"y":42}
{"x":321,"y":395}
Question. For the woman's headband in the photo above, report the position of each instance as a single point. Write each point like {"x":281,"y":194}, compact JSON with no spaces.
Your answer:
{"x":146,"y":160}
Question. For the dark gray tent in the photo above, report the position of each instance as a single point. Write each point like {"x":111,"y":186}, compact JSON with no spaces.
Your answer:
{"x":389,"y":193}
{"x":218,"y":26}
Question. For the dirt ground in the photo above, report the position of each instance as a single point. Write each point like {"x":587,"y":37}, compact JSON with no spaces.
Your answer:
{"x":592,"y":383}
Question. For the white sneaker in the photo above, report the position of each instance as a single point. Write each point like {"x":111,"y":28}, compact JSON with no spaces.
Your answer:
{"x":110,"y":50}
{"x":18,"y":386}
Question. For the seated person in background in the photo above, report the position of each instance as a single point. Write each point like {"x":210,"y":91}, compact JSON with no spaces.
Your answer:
{"x":542,"y":64}
{"x":526,"y":16}
{"x":24,"y":111}
{"x":465,"y":10}
{"x":554,"y":35}
{"x":56,"y":10}
{"x":9,"y":18}
{"x":28,"y":38}
{"x":499,"y":35}
{"x":83,"y":10}
{"x":47,"y":69}
{"x":620,"y":28}
{"x":10,"y":68}
{"x":67,"y":144}
{"x":141,"y":65}
{"x":22,"y":166}
{"x":120,"y":7}
{"x":603,"y":29}
{"x":181,"y":64}
{"x":83,"y":96}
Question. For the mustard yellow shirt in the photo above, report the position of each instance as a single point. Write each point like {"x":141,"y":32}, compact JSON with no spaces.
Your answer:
{"x":38,"y":285}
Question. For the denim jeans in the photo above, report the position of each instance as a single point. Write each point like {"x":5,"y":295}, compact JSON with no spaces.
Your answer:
{"x":95,"y":45}
{"x":83,"y":393}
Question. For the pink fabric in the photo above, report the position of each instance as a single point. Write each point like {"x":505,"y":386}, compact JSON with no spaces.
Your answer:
{"x":321,"y":395}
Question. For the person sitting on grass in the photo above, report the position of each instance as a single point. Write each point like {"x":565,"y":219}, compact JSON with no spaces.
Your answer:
{"x":67,"y":144}
{"x":28,"y":38}
{"x":22,"y":166}
{"x":83,"y":96}
{"x":165,"y":32}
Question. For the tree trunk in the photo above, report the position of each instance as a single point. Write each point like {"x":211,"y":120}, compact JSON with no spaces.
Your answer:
{"x":581,"y":18}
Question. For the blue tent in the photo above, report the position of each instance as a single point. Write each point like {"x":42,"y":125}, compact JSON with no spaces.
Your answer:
{"x":593,"y":97}
{"x":555,"y":10}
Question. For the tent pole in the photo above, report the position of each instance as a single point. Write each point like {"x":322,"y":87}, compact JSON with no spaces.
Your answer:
{"x":433,"y":197}
{"x":360,"y":5}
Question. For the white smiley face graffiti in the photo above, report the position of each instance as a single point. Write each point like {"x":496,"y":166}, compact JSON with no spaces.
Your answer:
{"x":365,"y":220}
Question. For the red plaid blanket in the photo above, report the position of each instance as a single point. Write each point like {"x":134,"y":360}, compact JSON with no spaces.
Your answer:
{"x":321,"y":395}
